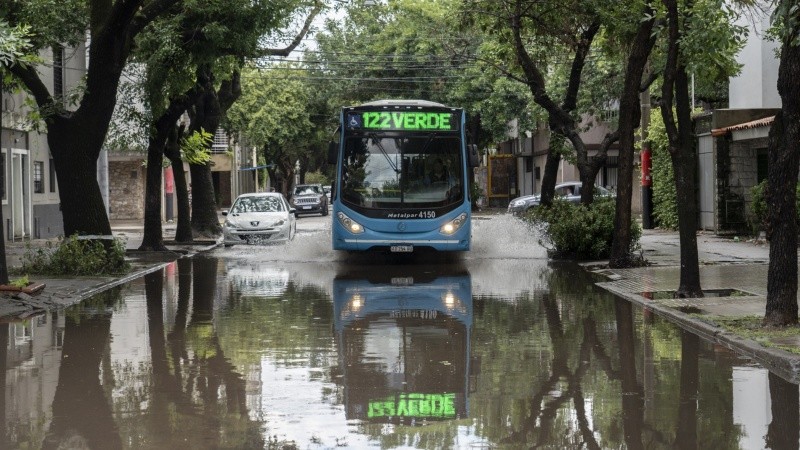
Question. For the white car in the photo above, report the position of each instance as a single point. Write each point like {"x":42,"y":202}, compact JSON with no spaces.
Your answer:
{"x":259,"y":218}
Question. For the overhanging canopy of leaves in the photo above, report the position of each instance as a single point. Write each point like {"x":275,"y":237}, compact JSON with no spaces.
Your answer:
{"x":273,"y":110}
{"x":15,"y":44}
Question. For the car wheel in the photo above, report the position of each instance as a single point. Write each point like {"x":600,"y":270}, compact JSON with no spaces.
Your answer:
{"x":292,"y":231}
{"x":228,"y":245}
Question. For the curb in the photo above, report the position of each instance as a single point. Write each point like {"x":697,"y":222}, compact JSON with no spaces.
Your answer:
{"x":782,"y":363}
{"x":24,"y":306}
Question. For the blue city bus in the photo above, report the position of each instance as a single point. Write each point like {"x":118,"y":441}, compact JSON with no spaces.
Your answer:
{"x":402,"y":177}
{"x":404,"y":345}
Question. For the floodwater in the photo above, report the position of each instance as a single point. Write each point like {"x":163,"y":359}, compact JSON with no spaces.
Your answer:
{"x":297,"y":347}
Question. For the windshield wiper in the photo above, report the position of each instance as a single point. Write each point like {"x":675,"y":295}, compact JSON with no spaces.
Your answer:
{"x":428,"y":143}
{"x":377,"y":142}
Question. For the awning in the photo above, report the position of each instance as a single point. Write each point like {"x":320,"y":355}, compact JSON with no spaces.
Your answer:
{"x":765,"y":122}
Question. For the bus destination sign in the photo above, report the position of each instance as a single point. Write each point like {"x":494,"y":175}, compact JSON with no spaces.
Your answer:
{"x":403,"y":121}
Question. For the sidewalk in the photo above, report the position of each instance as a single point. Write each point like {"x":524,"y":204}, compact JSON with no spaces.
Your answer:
{"x":61,"y":292}
{"x":725,"y":265}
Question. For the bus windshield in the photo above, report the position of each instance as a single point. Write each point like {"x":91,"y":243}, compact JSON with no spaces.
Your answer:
{"x":402,"y":171}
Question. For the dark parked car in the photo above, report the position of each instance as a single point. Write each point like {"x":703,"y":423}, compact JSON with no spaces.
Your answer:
{"x":309,"y":199}
{"x":570,"y":192}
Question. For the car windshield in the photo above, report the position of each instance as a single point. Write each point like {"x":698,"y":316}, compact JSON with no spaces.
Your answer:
{"x":399,"y":172}
{"x":306,"y":190}
{"x":257,"y":204}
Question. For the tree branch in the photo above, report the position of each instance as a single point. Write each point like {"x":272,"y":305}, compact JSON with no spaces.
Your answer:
{"x":670,"y":70}
{"x":149,"y":13}
{"x":299,"y":38}
{"x":27,"y":74}
{"x":578,"y":63}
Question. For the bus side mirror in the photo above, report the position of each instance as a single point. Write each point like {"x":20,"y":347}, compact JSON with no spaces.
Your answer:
{"x":474,"y":157}
{"x":333,"y":152}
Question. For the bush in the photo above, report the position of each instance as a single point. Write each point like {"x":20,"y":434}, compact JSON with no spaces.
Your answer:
{"x":665,"y":204}
{"x":576,"y":231}
{"x":759,"y":219}
{"x":73,"y":256}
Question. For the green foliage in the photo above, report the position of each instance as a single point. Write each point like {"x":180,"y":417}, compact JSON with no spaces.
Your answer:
{"x":15,"y":44}
{"x":317,"y":177}
{"x":665,"y":206}
{"x":76,"y":257}
{"x":475,"y":193}
{"x":577,"y":231}
{"x":195,"y":147}
{"x":20,"y":282}
{"x":759,"y":210}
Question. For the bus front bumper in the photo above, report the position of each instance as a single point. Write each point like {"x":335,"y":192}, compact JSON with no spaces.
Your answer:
{"x":371,"y":240}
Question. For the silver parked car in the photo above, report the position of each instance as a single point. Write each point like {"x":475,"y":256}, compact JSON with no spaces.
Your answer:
{"x":263,"y":217}
{"x":570,"y":192}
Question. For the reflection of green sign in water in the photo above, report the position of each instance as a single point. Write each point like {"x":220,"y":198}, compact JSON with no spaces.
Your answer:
{"x":423,"y":406}
{"x":408,"y":120}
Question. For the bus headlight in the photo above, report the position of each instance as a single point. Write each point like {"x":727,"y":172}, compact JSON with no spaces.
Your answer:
{"x":453,"y":226}
{"x":350,"y":224}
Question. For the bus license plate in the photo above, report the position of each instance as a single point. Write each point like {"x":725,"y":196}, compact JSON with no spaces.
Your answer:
{"x":401,"y":248}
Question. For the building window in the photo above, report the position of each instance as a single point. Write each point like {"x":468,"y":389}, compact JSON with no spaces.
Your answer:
{"x":52,"y":176}
{"x":220,"y":144}
{"x":58,"y":72}
{"x":38,"y":177}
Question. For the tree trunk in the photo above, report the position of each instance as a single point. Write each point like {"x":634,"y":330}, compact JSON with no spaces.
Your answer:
{"x":683,"y":152}
{"x":685,"y":168}
{"x":549,"y":177}
{"x":207,"y":114}
{"x":153,"y":236}
{"x":204,"y":203}
{"x":183,"y":228}
{"x":781,"y":308}
{"x":784,"y":147}
{"x":629,"y":118}
{"x":82,"y":206}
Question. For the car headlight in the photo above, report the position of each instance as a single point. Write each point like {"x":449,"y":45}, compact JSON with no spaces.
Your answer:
{"x":517,"y":202}
{"x":230,"y":224}
{"x":351,"y":225}
{"x":453,"y":226}
{"x":279,"y":223}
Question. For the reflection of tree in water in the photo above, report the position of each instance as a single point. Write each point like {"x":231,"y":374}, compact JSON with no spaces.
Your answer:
{"x":569,"y":389}
{"x":783,"y":432}
{"x":193,"y":397}
{"x":82,"y":415}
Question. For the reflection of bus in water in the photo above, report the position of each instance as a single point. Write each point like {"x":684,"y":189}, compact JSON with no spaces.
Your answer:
{"x":404,"y":347}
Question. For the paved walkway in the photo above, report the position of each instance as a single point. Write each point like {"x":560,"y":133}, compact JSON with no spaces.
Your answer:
{"x":725,"y":264}
{"x":733,"y":273}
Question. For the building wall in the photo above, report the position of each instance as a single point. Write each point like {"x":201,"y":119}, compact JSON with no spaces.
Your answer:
{"x":756,"y":84}
{"x":32,"y":213}
{"x":47,"y":221}
{"x":126,"y":190}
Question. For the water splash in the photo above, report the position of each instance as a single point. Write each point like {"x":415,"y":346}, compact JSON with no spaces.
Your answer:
{"x":504,"y":237}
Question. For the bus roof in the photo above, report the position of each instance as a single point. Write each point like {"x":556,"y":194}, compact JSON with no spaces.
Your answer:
{"x":392,"y":102}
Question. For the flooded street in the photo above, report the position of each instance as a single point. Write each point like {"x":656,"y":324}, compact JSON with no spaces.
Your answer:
{"x":296,"y":346}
